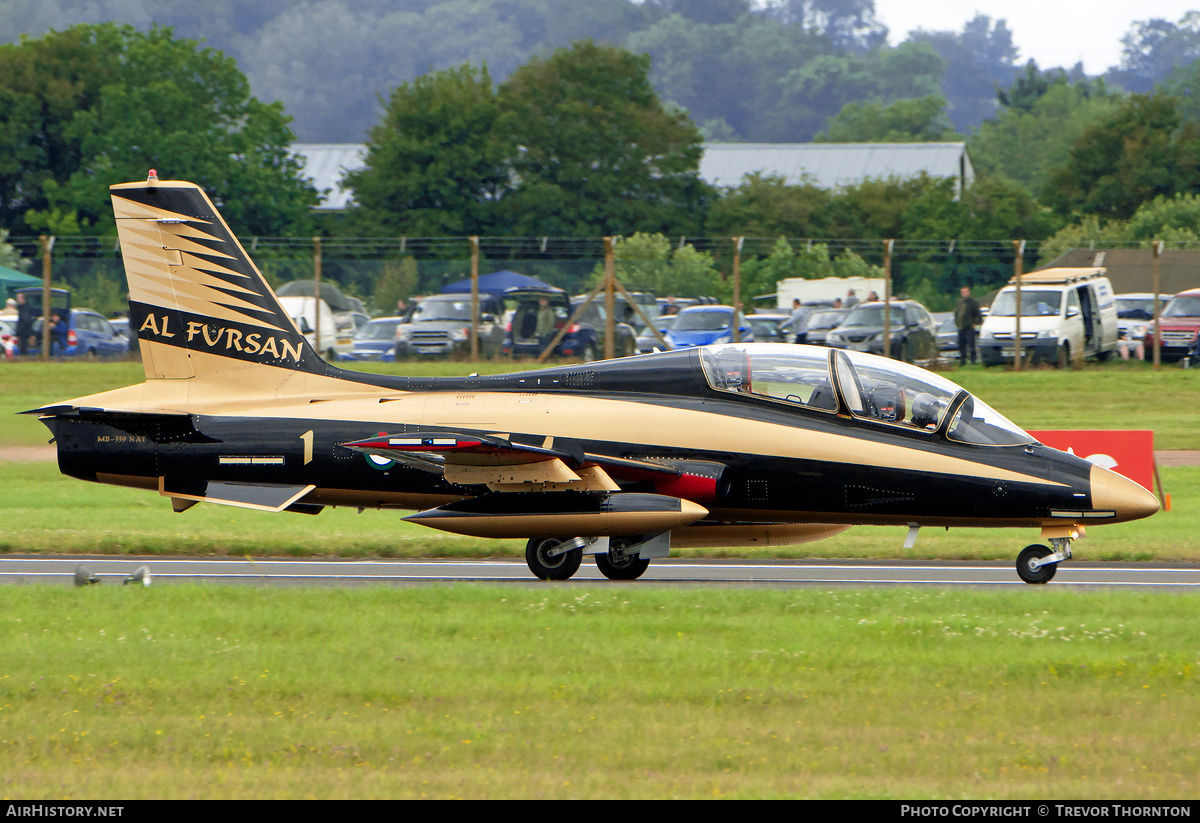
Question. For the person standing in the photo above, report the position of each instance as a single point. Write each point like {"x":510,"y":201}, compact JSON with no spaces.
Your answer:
{"x":966,"y":317}
{"x":851,"y":300}
{"x":26,"y":317}
{"x":797,"y":324}
{"x":545,"y":322}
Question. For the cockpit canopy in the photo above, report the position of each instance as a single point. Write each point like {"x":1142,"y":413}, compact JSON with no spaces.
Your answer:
{"x":865,"y":386}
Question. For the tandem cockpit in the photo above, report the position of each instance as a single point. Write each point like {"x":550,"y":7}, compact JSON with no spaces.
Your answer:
{"x":862,"y":386}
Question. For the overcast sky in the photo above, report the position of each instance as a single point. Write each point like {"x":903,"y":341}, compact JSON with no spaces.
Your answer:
{"x":1052,"y":32}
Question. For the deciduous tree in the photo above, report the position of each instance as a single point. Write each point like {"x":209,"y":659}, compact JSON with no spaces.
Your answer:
{"x":106,"y":103}
{"x":1139,"y":152}
{"x":436,"y":164}
{"x":598,"y":151}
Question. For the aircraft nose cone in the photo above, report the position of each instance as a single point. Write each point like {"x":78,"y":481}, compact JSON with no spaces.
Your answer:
{"x":1130,"y":500}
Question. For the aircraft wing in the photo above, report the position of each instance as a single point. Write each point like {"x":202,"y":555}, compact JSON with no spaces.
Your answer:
{"x":513,"y":463}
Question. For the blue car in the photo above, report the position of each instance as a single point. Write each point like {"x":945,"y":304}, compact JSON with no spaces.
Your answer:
{"x":375,"y":341}
{"x":705,"y":325}
{"x":84,"y":333}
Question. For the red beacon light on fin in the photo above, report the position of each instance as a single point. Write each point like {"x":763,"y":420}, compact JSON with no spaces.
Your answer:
{"x":152,"y":177}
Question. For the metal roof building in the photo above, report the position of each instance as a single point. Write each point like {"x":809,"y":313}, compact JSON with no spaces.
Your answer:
{"x":827,"y":165}
{"x":1132,"y":270}
{"x":325,"y":163}
{"x":831,"y":165}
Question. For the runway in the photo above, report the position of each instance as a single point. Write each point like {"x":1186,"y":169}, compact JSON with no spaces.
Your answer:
{"x":167,"y":571}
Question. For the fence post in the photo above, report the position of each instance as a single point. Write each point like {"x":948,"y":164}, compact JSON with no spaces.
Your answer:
{"x":737,"y":288}
{"x":1018,"y":270}
{"x":47,"y":245}
{"x":474,"y":297}
{"x":887,"y":297}
{"x":1157,"y":246}
{"x":610,"y":274}
{"x":317,"y":291}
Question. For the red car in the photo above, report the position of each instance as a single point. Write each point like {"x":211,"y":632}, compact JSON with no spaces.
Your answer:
{"x":1180,"y":326}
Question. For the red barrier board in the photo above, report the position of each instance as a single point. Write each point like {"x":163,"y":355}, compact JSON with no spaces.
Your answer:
{"x":1130,"y":453}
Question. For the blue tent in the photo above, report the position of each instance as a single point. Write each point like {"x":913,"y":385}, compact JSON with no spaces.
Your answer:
{"x":497,"y":283}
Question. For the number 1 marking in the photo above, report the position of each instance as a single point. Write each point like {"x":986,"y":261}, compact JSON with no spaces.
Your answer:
{"x":307,"y":437}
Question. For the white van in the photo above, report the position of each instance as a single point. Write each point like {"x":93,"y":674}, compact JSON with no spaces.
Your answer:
{"x":311,"y":314}
{"x":1065,"y":313}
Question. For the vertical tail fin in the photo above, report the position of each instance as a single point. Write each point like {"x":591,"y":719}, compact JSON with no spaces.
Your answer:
{"x":196,"y":300}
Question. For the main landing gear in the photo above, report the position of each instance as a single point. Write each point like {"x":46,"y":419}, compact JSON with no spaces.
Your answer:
{"x":558,"y":558}
{"x":1037,"y":564}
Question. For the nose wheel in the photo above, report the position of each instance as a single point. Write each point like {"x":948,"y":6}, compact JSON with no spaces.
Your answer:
{"x":1030,"y":567}
{"x":1038,"y":564}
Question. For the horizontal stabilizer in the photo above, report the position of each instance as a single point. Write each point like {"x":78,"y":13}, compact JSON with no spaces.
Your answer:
{"x":270,"y":497}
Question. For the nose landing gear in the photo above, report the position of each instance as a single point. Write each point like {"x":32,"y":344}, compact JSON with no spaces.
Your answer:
{"x":1038,"y":564}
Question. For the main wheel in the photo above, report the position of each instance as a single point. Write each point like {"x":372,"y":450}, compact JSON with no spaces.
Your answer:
{"x":620,"y":566}
{"x":551,"y":567}
{"x":1042,"y":574}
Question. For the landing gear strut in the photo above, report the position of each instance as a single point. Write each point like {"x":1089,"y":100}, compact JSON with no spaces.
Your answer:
{"x":1037,"y":564}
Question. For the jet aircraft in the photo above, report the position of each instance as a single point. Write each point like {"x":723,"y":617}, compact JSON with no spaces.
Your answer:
{"x":725,"y":445}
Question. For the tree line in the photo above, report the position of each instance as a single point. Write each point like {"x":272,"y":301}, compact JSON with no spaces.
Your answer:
{"x":580,"y":141}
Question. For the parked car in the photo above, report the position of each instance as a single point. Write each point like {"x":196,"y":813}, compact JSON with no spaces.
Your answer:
{"x":821,"y":323}
{"x":440,"y":325}
{"x":121,"y":326}
{"x":1135,"y":317}
{"x":584,"y":339}
{"x":1179,"y":327}
{"x":646,"y":340}
{"x":765,"y":325}
{"x":8,"y":338}
{"x":375,"y":341}
{"x":1064,"y":312}
{"x":707,"y":324}
{"x":914,"y":335}
{"x":947,"y":337}
{"x":88,"y":335}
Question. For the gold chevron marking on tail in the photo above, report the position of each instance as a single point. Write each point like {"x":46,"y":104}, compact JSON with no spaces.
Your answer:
{"x":164,"y":269}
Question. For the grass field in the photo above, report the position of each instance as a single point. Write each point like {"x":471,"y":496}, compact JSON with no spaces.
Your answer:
{"x":613,"y":691}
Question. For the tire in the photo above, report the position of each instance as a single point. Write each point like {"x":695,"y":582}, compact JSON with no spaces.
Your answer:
{"x":1103,"y":355}
{"x":559,"y":567}
{"x":1064,"y":356}
{"x":622,"y":566}
{"x":1043,"y":574}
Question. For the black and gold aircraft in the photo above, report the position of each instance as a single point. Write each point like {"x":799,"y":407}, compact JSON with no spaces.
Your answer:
{"x":725,"y":445}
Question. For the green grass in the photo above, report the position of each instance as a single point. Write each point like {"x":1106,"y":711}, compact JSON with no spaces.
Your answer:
{"x":607,"y":691}
{"x":1113,"y":395}
{"x":43,"y":512}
